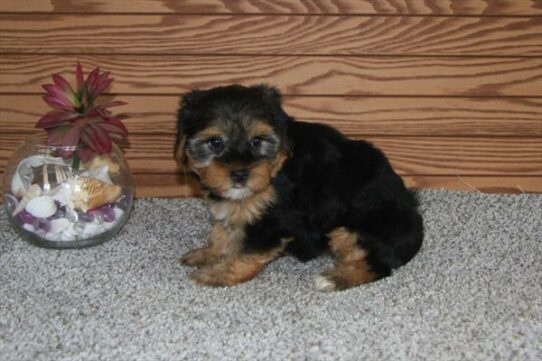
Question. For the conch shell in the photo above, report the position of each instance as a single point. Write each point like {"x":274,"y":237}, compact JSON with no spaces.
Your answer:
{"x":102,"y":160}
{"x":88,"y":193}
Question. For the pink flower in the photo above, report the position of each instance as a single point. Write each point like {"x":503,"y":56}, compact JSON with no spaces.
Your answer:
{"x":77,"y":122}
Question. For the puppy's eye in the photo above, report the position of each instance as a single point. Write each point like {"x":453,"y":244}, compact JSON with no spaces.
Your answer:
{"x":216,"y":144}
{"x":256,"y":142}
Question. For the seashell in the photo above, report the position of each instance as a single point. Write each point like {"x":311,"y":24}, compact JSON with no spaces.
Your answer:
{"x":68,"y":234}
{"x":28,"y":227}
{"x":101,"y":174}
{"x":92,"y":229}
{"x":41,"y":207}
{"x":24,"y":174}
{"x":18,"y":186}
{"x":58,"y":225}
{"x":52,"y":236}
{"x":119,"y":212}
{"x":33,"y":191}
{"x":88,"y":193}
{"x":101,"y":160}
{"x":50,"y":175}
{"x":62,"y":194}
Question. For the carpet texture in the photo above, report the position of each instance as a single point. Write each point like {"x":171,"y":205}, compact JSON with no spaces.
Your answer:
{"x":473,"y":293}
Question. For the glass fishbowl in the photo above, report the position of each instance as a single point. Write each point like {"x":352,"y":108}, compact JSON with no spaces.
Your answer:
{"x":55,"y":200}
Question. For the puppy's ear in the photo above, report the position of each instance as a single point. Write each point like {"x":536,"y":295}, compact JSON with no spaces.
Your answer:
{"x":186,"y":115}
{"x":179,"y":152}
{"x":192,"y":98}
{"x":270,"y":95}
{"x":273,"y":102}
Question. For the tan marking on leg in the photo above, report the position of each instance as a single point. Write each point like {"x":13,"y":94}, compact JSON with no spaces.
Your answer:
{"x":235,"y":269}
{"x":351,"y":268}
{"x":344,"y":245}
{"x":220,"y":242}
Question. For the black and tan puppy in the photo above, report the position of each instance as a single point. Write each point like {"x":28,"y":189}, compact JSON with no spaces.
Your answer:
{"x":276,"y":185}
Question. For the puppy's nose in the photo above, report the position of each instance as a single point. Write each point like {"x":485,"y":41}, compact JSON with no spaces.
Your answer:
{"x":239,"y":175}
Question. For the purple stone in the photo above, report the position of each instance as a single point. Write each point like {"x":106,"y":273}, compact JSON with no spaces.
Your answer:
{"x":10,"y":202}
{"x":25,"y":217}
{"x":42,"y":223}
{"x":108,"y":214}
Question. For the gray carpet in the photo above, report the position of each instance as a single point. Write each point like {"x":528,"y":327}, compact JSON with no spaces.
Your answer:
{"x":473,"y":293}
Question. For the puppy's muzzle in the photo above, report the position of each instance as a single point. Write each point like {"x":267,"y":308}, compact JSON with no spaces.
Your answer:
{"x":239,"y":177}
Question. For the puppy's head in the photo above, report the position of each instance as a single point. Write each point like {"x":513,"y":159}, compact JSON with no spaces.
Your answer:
{"x":233,"y":138}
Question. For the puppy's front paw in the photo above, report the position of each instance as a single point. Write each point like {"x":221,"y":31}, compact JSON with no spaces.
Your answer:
{"x":199,"y":257}
{"x":228,"y":272}
{"x":213,"y":276}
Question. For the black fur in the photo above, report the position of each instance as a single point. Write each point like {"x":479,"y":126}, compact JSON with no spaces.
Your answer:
{"x":328,"y":181}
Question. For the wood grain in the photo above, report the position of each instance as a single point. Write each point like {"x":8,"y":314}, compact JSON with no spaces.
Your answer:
{"x":355,"y":116}
{"x":451,"y":90}
{"x":402,"y":7}
{"x":172,"y":185}
{"x":176,"y":185}
{"x":270,"y":35}
{"x":295,"y":75}
{"x":153,"y":153}
{"x":484,"y":184}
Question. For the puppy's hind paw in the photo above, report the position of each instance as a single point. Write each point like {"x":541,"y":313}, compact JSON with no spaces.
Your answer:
{"x":324,"y":284}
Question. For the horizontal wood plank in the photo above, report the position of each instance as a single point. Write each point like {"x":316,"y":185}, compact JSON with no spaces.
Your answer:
{"x":354,"y":116}
{"x":484,"y":184}
{"x":153,"y":153}
{"x":271,"y":35}
{"x":173,"y":185}
{"x":381,"y":76}
{"x":402,"y":7}
{"x":176,"y":185}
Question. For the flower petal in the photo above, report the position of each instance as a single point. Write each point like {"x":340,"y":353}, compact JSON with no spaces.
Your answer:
{"x":84,"y":153}
{"x":102,"y":83}
{"x":103,"y":138}
{"x":56,"y":92}
{"x":87,"y":140}
{"x":112,"y":104}
{"x":79,"y":78}
{"x":71,"y":137}
{"x":63,"y":84}
{"x":91,"y":82}
{"x":58,"y":103}
{"x":54,"y":135}
{"x":55,"y":119}
{"x":115,"y":125}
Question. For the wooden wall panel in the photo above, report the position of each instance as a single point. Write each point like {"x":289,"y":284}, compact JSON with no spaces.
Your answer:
{"x":261,"y":34}
{"x":295,"y":75}
{"x":400,"y":7}
{"x":152,"y":152}
{"x":355,"y":116}
{"x":451,"y":90}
